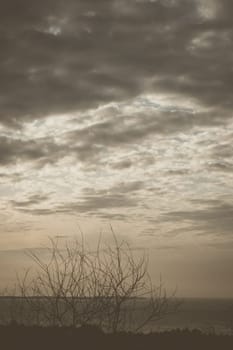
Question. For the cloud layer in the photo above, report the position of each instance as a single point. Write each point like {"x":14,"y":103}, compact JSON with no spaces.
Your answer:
{"x":117,"y":111}
{"x":60,"y":56}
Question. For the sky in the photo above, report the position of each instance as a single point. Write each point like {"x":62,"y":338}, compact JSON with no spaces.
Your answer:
{"x":119,"y":112}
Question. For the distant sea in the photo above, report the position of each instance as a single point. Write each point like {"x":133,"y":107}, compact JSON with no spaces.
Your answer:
{"x":208,"y":315}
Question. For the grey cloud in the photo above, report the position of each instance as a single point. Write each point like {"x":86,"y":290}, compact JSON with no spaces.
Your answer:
{"x":59,"y":56}
{"x":111,"y":216}
{"x":87,"y":145}
{"x":178,"y":172}
{"x":168,"y":247}
{"x":221,"y":155}
{"x":215,"y":219}
{"x":37,"y":211}
{"x":13,"y":150}
{"x":128,"y":129}
{"x":16,"y":226}
{"x":123,"y":164}
{"x":31,"y":201}
{"x":228,"y":245}
{"x":223,"y":150}
{"x":62,"y":236}
{"x":93,"y":203}
{"x":100,"y":203}
{"x":22,"y":228}
{"x":221,"y":166}
{"x":127,"y":187}
{"x":13,"y":177}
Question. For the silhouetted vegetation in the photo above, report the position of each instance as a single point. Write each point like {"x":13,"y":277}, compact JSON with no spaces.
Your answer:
{"x":74,"y":286}
{"x":89,"y":337}
{"x":77,"y":298}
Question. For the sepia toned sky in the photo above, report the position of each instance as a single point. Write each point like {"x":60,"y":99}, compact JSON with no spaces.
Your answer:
{"x":120,"y":112}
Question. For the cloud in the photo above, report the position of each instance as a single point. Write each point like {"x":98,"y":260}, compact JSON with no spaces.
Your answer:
{"x":142,"y":89}
{"x":14,"y":150}
{"x":95,"y":202}
{"x":119,"y":110}
{"x":62,"y":56}
{"x":89,"y":143}
{"x":65,"y":57}
{"x":31,"y":201}
{"x":214,"y":218}
{"x":117,"y":197}
{"x":223,"y":150}
{"x":12,"y":178}
{"x":221,"y":166}
{"x":37,"y":211}
{"x":228,"y":245}
{"x":123,"y":164}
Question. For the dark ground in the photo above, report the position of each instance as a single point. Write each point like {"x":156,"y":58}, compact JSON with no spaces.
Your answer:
{"x":38,"y":338}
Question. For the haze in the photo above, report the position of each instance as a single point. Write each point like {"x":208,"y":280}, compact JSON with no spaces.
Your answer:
{"x":120,"y":112}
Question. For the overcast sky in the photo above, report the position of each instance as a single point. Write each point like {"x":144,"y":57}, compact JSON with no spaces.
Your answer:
{"x":120,"y":112}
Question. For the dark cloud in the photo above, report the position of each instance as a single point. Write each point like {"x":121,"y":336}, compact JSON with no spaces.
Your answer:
{"x":31,"y":201}
{"x":14,"y":177}
{"x":107,"y":215}
{"x":214,"y":218}
{"x":127,"y":187}
{"x":6,"y":178}
{"x":97,"y":202}
{"x":178,"y":172}
{"x":89,"y":144}
{"x":221,"y":167}
{"x":168,"y":66}
{"x":40,"y":150}
{"x":125,"y":130}
{"x":60,"y":56}
{"x":221,"y":155}
{"x":123,"y":164}
{"x":37,"y":211}
{"x":100,"y":203}
{"x":223,"y":150}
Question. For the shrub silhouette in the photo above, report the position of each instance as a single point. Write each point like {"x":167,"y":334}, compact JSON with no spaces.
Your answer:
{"x":109,"y":287}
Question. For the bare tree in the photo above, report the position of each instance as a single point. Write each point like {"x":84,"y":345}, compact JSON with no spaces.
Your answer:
{"x":133,"y":300}
{"x":60,"y":282}
{"x":109,"y":287}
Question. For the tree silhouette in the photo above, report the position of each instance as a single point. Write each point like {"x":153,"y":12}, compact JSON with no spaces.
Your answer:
{"x":109,"y":287}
